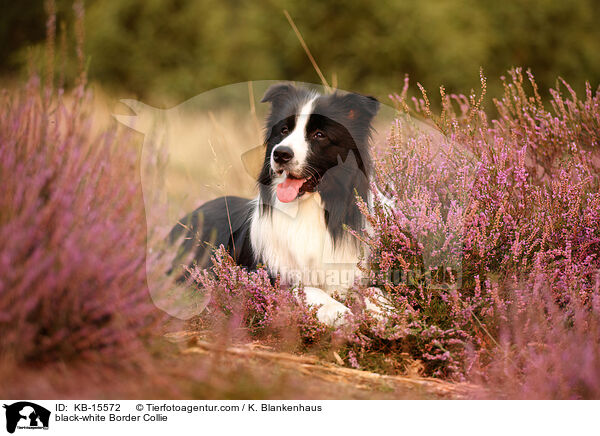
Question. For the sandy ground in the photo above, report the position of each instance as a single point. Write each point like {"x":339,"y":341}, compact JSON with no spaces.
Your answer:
{"x":296,"y":376}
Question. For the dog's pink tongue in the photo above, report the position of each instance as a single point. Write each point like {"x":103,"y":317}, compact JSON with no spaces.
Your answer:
{"x":288,"y":189}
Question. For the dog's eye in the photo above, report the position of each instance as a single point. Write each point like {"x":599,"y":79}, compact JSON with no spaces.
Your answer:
{"x":285,"y":130}
{"x":319,"y":135}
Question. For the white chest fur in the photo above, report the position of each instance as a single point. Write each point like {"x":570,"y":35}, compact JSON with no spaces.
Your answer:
{"x":294,"y":242}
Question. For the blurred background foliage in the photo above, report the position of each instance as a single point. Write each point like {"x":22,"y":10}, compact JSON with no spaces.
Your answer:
{"x":165,"y":51}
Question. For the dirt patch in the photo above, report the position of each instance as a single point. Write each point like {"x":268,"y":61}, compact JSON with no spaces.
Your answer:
{"x":309,"y":377}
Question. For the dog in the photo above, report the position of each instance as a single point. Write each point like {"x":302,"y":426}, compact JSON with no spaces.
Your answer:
{"x":317,"y":162}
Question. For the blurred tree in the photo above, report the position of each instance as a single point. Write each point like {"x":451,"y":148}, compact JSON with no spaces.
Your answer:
{"x":21,"y":24}
{"x":169,"y":50}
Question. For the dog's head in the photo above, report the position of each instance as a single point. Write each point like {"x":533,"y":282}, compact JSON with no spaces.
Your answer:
{"x":308,"y":134}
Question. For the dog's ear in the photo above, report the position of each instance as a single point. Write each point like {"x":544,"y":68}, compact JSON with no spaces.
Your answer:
{"x":360,"y":107}
{"x":278,"y":93}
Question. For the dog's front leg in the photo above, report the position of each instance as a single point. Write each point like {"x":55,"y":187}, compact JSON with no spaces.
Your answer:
{"x":331,"y":312}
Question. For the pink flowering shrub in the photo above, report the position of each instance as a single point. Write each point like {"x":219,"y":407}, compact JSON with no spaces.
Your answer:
{"x":521,"y":192}
{"x":546,"y":348}
{"x":252,"y":301}
{"x":72,"y":234}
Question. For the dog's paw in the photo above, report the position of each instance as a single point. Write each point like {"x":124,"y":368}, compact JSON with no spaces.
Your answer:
{"x":331,"y":312}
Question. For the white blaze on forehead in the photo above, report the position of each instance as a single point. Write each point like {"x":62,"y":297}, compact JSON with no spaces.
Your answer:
{"x":297,"y":139}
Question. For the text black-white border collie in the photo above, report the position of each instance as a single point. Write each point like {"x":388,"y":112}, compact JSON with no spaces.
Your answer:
{"x":317,"y":161}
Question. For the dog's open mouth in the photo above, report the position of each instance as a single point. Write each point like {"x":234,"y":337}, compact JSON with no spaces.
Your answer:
{"x":294,"y":187}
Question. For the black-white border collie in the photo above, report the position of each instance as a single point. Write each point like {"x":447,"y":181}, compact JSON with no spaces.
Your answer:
{"x":317,"y":161}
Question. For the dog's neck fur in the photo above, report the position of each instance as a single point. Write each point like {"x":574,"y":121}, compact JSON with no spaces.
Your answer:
{"x":293,"y":240}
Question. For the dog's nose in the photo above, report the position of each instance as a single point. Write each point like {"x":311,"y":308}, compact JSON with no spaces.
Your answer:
{"x":282,"y":154}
